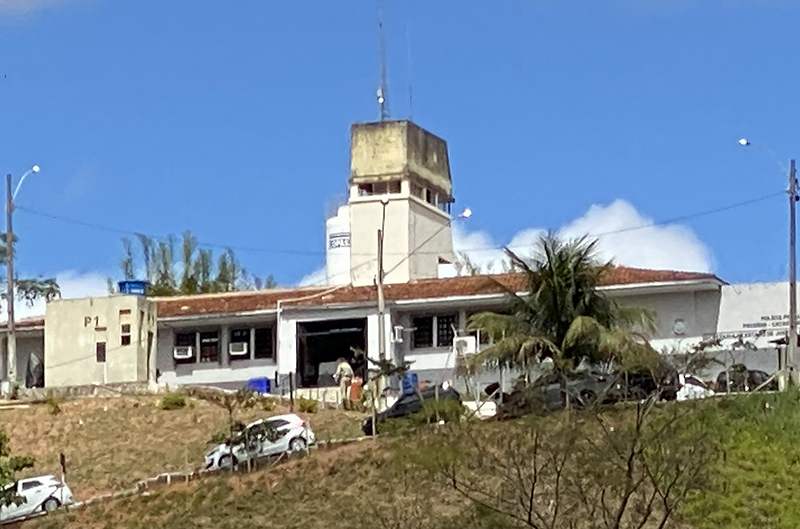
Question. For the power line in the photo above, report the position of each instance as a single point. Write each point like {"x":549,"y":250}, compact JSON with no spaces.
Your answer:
{"x":279,"y":251}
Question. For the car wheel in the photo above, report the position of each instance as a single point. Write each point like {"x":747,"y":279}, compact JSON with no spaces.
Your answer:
{"x":227,"y":461}
{"x":298,"y":444}
{"x":587,"y":397}
{"x":50,"y":505}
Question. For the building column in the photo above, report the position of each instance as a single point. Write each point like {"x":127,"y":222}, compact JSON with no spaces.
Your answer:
{"x":224,"y":341}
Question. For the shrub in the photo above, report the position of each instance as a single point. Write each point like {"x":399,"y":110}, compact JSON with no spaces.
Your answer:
{"x":307,"y":405}
{"x":53,"y":405}
{"x":173,"y":401}
{"x":268,"y":404}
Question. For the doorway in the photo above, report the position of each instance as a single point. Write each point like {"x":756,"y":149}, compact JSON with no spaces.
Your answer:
{"x":321,"y":343}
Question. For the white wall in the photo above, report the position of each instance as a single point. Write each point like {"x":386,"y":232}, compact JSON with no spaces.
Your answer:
{"x":698,"y":310}
{"x":236,"y":372}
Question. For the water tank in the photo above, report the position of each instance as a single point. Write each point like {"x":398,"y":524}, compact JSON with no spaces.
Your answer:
{"x":337,"y":251}
{"x":138,"y":288}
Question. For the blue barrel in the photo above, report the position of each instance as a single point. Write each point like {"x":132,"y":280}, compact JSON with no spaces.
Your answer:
{"x":259,"y":385}
{"x":410,"y":382}
{"x":138,"y":288}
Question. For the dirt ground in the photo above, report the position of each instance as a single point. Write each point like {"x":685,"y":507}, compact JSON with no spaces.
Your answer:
{"x":111,"y":443}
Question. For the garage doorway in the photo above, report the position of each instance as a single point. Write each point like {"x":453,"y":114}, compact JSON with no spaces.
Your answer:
{"x":321,"y":343}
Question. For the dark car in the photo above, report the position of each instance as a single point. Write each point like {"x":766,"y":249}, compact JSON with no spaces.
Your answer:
{"x":548,"y":393}
{"x":739,"y":378}
{"x":410,"y":404}
{"x":638,"y":385}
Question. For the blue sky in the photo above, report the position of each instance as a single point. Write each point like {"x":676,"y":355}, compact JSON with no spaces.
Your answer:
{"x":232,"y":119}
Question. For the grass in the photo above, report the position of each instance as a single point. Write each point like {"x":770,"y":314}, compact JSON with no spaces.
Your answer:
{"x":366,"y":484}
{"x":345,"y":487}
{"x":110,"y":443}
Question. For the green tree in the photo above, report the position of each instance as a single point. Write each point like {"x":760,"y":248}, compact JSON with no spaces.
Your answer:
{"x":32,"y":289}
{"x":9,"y":466}
{"x":564,"y":316}
{"x":192,"y":270}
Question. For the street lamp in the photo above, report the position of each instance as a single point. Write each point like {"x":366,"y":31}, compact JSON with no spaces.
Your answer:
{"x":11,"y":347}
{"x":791,"y":191}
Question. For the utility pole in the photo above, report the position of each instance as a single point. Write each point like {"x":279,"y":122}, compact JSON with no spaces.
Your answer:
{"x":379,"y":283}
{"x":11,"y":346}
{"x":791,"y":345}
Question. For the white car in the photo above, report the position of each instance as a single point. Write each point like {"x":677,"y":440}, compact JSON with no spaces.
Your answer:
{"x":265,"y":437}
{"x":692,"y":388}
{"x":40,"y":494}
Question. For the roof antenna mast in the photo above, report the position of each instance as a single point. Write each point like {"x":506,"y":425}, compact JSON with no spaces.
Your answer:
{"x":383,"y":90}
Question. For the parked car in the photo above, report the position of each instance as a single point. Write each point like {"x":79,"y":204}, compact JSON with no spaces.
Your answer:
{"x":410,"y":404}
{"x":692,"y":388}
{"x":40,"y":494}
{"x":547,"y":393}
{"x":265,"y":437}
{"x":739,"y":378}
{"x":638,"y":385}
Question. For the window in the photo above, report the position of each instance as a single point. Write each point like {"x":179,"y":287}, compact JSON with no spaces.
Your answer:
{"x":263,"y":345}
{"x":445,"y":330}
{"x":379,"y":188}
{"x":27,"y":485}
{"x":125,"y":334}
{"x":209,"y":346}
{"x":417,"y":191}
{"x":429,"y":196}
{"x":185,"y":339}
{"x":123,"y":312}
{"x":100,"y":352}
{"x":434,"y":331}
{"x":240,"y":336}
{"x":423,"y":333}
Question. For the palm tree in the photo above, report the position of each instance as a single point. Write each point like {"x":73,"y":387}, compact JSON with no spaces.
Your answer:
{"x":563,"y":315}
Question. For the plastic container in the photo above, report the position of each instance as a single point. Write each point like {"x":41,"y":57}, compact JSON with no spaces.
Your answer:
{"x":138,"y":288}
{"x":259,"y":385}
{"x":410,"y":382}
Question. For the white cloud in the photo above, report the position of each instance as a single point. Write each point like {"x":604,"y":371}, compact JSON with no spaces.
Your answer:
{"x":73,"y":285}
{"x":618,"y":226}
{"x":317,"y":277}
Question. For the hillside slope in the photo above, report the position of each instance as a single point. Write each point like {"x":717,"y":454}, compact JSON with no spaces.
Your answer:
{"x":110,"y":443}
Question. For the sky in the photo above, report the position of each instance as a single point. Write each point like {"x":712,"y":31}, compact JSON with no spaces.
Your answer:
{"x":231,"y":119}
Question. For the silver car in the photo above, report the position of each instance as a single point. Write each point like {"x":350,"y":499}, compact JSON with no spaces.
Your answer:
{"x":265,"y":437}
{"x":40,"y":494}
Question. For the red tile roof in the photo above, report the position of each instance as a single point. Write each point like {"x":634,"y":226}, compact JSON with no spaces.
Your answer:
{"x":422,"y":289}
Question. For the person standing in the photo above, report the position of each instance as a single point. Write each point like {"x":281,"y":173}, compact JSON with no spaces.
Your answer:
{"x":344,"y":377}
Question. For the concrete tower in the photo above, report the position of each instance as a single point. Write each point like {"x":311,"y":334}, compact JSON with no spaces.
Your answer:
{"x":403,"y":171}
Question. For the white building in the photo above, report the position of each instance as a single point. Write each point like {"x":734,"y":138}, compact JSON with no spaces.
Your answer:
{"x":399,"y":183}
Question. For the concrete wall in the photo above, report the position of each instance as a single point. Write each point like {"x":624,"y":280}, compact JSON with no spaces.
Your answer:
{"x":365,"y":221}
{"x":74,"y":327}
{"x":225,"y":374}
{"x":698,"y":310}
{"x":429,"y":238}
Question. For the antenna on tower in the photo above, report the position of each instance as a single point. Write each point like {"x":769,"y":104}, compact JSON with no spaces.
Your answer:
{"x":408,"y":72}
{"x":383,"y":90}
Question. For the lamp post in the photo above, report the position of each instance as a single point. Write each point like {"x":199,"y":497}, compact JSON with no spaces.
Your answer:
{"x":467,"y":213}
{"x":791,"y":339}
{"x":11,"y":347}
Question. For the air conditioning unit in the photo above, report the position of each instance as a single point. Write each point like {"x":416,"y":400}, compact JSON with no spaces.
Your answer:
{"x":463,"y":345}
{"x":238,"y":349}
{"x":183,"y":352}
{"x":398,"y":334}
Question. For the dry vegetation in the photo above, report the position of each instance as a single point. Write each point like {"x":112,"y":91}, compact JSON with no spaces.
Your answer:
{"x":349,"y":486}
{"x":110,"y":443}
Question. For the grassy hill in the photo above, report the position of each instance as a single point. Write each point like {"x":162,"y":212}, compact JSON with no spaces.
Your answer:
{"x":110,"y":443}
{"x":749,"y":480}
